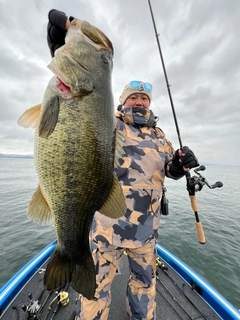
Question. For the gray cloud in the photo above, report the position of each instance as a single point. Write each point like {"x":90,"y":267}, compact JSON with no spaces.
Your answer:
{"x":201,"y":51}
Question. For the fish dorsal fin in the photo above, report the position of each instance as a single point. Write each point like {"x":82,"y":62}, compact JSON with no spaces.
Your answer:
{"x":119,"y":144}
{"x":38,"y":208}
{"x":49,"y":117}
{"x":115,"y":205}
{"x":30,"y":117}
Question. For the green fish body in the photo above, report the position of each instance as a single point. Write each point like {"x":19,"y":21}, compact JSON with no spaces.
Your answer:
{"x":75,"y":151}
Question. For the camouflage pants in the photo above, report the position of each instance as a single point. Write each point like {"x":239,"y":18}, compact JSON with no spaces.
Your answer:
{"x":141,"y":288}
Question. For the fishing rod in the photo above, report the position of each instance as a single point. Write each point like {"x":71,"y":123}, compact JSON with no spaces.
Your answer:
{"x":194,"y":183}
{"x":165,"y":75}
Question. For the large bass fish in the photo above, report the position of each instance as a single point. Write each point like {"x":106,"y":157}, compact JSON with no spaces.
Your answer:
{"x":76,"y":147}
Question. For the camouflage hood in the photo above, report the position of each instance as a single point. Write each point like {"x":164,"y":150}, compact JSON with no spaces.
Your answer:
{"x":137,"y":116}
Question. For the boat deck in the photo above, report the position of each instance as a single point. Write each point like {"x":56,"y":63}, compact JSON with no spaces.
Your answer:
{"x":175,"y":299}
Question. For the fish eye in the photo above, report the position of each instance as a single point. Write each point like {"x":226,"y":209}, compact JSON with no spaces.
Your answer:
{"x":104,"y":59}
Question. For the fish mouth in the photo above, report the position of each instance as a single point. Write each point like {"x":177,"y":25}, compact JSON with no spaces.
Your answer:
{"x":68,"y":93}
{"x":63,"y":83}
{"x":65,"y":62}
{"x":62,"y":86}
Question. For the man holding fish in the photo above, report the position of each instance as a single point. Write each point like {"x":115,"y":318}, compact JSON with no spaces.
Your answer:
{"x":144,"y":158}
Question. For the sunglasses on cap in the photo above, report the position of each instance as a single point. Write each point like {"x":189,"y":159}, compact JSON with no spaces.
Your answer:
{"x":141,"y":86}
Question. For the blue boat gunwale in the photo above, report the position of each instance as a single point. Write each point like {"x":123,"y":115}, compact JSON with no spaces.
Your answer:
{"x":14,"y":286}
{"x":212,"y":297}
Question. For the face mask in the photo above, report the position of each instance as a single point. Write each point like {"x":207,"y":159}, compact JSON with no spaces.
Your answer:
{"x":139,"y":116}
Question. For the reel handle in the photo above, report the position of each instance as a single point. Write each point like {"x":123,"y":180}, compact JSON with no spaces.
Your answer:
{"x":201,"y":168}
{"x":217,"y":184}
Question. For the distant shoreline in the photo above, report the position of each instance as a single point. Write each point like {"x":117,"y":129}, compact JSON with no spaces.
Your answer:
{"x":28,"y":156}
{"x":31,"y":156}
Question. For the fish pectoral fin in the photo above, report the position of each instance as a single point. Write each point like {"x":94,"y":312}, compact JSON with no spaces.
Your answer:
{"x":49,"y":117}
{"x":119,"y":144}
{"x":38,"y":208}
{"x":30,"y":117}
{"x":115,"y":205}
{"x":61,"y":270}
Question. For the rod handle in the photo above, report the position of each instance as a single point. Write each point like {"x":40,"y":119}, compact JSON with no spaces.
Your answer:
{"x":201,"y":237}
{"x":194,"y":203}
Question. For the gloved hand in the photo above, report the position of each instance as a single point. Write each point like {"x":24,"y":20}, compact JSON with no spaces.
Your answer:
{"x":56,"y":29}
{"x":185,"y":159}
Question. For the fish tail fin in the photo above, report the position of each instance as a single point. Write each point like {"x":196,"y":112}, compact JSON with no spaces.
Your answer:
{"x":84,"y":278}
{"x":58,"y":271}
{"x":61,"y":270}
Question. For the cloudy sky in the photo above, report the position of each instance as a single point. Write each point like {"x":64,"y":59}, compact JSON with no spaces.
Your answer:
{"x":201,"y":50}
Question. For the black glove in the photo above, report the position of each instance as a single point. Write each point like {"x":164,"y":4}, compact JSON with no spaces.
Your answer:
{"x":56,"y":31}
{"x":187,"y":161}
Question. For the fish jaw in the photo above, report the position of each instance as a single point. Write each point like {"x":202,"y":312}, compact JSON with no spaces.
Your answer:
{"x":73,"y":85}
{"x":76,"y":64}
{"x":56,"y":87}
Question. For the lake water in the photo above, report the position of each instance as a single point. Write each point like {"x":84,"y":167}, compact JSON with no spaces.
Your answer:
{"x":218,"y":261}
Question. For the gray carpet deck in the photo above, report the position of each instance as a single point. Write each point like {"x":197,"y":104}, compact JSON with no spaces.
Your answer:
{"x":175,"y":299}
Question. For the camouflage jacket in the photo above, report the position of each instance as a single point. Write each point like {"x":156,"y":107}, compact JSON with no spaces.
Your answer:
{"x":141,"y":172}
